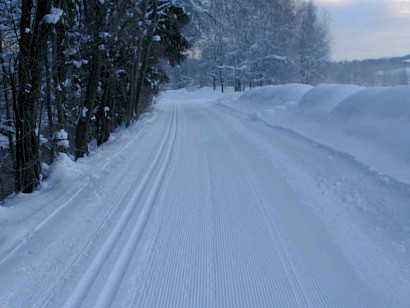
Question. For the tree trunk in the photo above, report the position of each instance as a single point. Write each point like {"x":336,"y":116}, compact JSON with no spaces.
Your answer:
{"x":221,"y":80}
{"x":94,"y":20}
{"x":32,"y":45}
{"x":145,"y":56}
{"x":9,"y":120}
{"x":103,"y":114}
{"x":82,"y":131}
{"x":49,"y":110}
{"x":59,"y":68}
{"x":135,"y":70}
{"x":132,"y":95}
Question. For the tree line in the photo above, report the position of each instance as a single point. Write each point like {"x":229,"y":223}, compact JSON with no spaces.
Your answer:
{"x":73,"y":71}
{"x":253,"y":43}
{"x":370,"y":72}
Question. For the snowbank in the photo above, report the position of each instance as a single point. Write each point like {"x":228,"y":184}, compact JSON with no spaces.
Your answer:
{"x":22,"y":214}
{"x":319,"y":101}
{"x":274,"y":95}
{"x":200,"y":96}
{"x":377,"y":104}
{"x":371,"y":124}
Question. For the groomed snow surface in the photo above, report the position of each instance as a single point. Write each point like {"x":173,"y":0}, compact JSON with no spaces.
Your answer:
{"x":284,"y":196}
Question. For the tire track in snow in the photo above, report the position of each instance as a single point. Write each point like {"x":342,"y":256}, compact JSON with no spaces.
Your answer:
{"x":88,"y":278}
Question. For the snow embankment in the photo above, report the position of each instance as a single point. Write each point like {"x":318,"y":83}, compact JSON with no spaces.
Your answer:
{"x":371,"y":124}
{"x":273,"y":96}
{"x":23,"y":214}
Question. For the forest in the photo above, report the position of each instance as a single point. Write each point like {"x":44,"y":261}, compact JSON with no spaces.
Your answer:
{"x":278,"y":42}
{"x":74,"y":71}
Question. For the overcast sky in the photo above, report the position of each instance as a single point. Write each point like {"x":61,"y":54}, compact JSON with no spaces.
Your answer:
{"x":368,"y":28}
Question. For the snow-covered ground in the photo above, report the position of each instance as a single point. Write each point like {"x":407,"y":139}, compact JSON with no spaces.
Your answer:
{"x":222,"y":201}
{"x":371,"y":124}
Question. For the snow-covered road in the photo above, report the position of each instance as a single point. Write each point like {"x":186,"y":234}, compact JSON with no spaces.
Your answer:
{"x":207,"y":207}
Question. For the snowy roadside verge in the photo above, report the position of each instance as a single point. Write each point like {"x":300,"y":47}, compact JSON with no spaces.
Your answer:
{"x":364,"y":210}
{"x":368,"y":124}
{"x":23,"y":214}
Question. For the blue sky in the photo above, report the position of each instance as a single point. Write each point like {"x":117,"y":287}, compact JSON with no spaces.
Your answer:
{"x":368,"y":28}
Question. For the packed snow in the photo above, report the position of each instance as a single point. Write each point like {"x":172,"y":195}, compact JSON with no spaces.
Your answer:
{"x":223,"y":200}
{"x":370,"y":124}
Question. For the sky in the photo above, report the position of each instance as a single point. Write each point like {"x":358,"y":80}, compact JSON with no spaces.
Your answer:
{"x":362,"y":29}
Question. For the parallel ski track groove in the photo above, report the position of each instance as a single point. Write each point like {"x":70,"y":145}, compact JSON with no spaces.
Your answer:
{"x":51,"y":215}
{"x":178,"y":286}
{"x":81,"y":255}
{"x":151,"y":276}
{"x":114,"y":279}
{"x":87,"y":280}
{"x":18,"y":281}
{"x":141,"y":282}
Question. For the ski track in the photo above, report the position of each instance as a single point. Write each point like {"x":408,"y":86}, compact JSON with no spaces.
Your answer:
{"x":74,"y":196}
{"x":22,"y":278}
{"x":213,"y":215}
{"x":114,"y":279}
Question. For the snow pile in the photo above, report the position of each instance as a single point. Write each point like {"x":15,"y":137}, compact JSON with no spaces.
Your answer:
{"x":378,"y":124}
{"x":371,"y":124}
{"x":377,"y":104}
{"x":271,"y":96}
{"x":319,"y":101}
{"x":205,"y":96}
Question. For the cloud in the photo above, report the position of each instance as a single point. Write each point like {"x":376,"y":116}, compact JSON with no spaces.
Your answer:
{"x":368,"y":28}
{"x":396,"y":8}
{"x":399,"y":8}
{"x":336,"y":2}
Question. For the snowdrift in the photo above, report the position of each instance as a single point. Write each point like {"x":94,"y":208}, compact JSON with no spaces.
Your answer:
{"x":324,"y":98}
{"x":372,"y":124}
{"x":377,"y":104}
{"x":274,"y":95}
{"x":269,"y":99}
